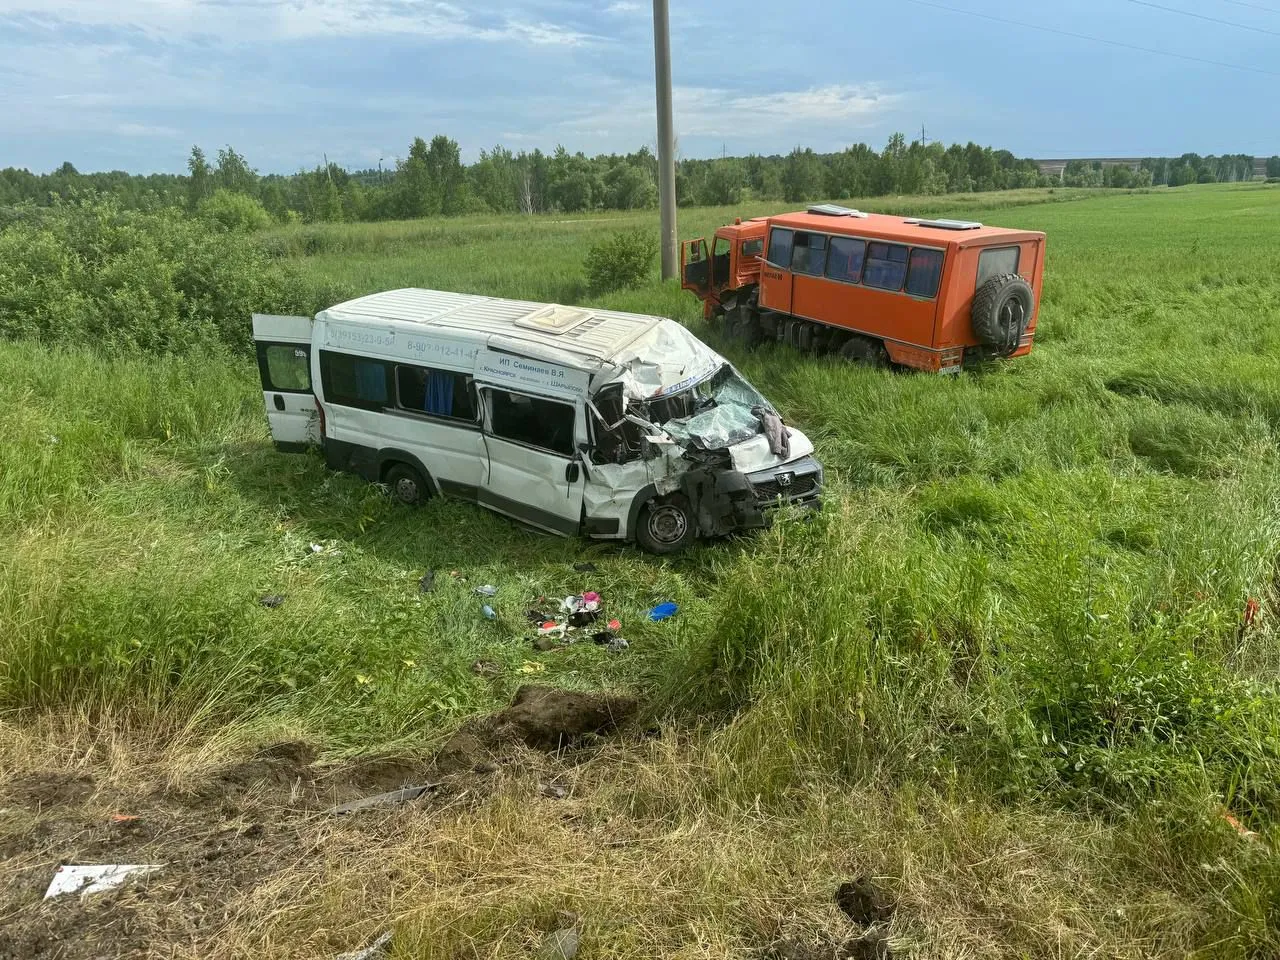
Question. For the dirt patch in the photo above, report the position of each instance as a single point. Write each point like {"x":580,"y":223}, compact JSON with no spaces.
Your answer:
{"x":49,"y":788}
{"x":544,"y":718}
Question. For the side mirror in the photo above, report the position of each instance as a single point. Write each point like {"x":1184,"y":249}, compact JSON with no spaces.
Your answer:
{"x":572,"y":471}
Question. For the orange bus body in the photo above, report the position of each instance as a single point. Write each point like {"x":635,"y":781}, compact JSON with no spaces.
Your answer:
{"x":813,"y":298}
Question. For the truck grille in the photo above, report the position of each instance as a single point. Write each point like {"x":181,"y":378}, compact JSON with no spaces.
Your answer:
{"x":803,"y":485}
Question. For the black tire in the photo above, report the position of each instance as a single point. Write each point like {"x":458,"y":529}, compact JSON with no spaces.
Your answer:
{"x":1002,"y":311}
{"x":406,"y":485}
{"x":858,"y":349}
{"x":666,"y":526}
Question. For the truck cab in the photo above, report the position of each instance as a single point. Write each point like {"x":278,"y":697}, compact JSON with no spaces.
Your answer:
{"x":716,"y":274}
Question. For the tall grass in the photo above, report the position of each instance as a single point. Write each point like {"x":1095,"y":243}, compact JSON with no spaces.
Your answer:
{"x":1048,"y":586}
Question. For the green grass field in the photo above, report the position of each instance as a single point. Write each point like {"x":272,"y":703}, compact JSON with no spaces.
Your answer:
{"x":1009,"y":671}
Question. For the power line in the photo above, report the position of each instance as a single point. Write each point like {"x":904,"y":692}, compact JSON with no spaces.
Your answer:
{"x":1253,"y":6}
{"x":1201,"y":16}
{"x":1085,"y":36}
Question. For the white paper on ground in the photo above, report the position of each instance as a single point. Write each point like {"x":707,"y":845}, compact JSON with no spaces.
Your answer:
{"x":94,"y":878}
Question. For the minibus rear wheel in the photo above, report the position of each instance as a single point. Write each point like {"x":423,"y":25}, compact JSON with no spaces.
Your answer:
{"x":406,"y":484}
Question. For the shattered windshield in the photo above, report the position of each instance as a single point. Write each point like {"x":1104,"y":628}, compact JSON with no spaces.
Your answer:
{"x":714,"y":413}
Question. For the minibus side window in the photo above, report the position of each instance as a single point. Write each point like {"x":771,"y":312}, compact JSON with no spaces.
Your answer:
{"x":439,"y":393}
{"x":546,"y":424}
{"x":355,"y":381}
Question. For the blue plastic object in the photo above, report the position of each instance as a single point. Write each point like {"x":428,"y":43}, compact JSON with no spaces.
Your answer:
{"x":663,"y":611}
{"x":488,"y":612}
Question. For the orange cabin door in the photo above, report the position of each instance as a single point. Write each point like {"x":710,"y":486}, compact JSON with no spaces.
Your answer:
{"x":776,"y":280}
{"x":695,"y":267}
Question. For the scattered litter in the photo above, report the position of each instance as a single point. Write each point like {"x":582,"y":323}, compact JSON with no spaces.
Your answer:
{"x":1250,"y":611}
{"x":488,"y":590}
{"x":560,"y":945}
{"x":615,"y":625}
{"x":95,"y":878}
{"x":488,"y":612}
{"x":1238,"y":827}
{"x":546,"y":644}
{"x":457,"y":575}
{"x":601,"y":638}
{"x":485,"y":668}
{"x":530,"y":666}
{"x":536,"y":616}
{"x":582,"y":609}
{"x":382,"y":799}
{"x":316,"y":548}
{"x":374,"y":949}
{"x":616,"y":645}
{"x":428,"y":582}
{"x":551,"y":628}
{"x":663,"y":611}
{"x":552,"y":791}
{"x":124,"y":818}
{"x":271,"y":601}
{"x":585,"y":567}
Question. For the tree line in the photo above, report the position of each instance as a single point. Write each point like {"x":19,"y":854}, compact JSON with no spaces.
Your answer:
{"x":1162,"y":171}
{"x":431,"y":180}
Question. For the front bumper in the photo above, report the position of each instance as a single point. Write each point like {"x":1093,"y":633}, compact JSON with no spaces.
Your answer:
{"x":795,"y":484}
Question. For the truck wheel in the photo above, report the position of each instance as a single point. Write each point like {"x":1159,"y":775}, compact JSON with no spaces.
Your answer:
{"x":666,"y":526}
{"x":1001,"y":312}
{"x":407,"y":485}
{"x":865,"y":350}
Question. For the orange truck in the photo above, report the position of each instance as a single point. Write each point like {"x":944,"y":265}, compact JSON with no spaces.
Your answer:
{"x":927,"y":294}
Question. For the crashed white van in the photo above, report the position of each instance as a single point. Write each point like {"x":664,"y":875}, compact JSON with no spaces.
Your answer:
{"x":574,"y":420}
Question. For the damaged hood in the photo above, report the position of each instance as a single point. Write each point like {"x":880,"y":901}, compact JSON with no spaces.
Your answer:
{"x":754,"y":454}
{"x":664,"y":360}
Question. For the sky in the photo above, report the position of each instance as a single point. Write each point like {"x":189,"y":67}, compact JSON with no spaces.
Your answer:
{"x":133,"y":84}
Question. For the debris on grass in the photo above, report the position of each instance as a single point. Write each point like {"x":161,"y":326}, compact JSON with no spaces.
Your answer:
{"x":664,"y":611}
{"x":403,"y":795}
{"x":94,"y":878}
{"x":488,"y":612}
{"x":488,"y":590}
{"x":560,"y":945}
{"x":376,"y":949}
{"x":271,"y":600}
{"x":485,"y":668}
{"x":585,"y":567}
{"x":427,"y":582}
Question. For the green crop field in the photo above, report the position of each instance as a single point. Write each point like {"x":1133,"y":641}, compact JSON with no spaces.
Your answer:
{"x":1021,"y":671}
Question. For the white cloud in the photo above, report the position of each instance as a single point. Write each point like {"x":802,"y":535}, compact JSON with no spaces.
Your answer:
{"x":262,"y":20}
{"x":625,"y":8}
{"x":734,"y":115}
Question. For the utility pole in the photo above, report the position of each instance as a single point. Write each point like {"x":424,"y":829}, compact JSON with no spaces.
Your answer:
{"x":666,"y":140}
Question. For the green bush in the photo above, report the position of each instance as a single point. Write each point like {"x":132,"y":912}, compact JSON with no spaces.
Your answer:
{"x":128,"y":280}
{"x":622,"y":261}
{"x":235,"y":211}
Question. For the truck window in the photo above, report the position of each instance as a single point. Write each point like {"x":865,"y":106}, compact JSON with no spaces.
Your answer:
{"x":923,"y":272}
{"x":886,"y":266}
{"x":441,"y":393}
{"x":545,"y":424}
{"x":288,"y":367}
{"x":809,"y":254}
{"x":355,"y":381}
{"x":845,"y":260}
{"x":780,"y":248}
{"x":753,"y":247}
{"x":996,"y":262}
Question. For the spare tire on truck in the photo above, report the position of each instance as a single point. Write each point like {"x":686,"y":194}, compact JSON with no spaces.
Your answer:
{"x":1002,"y":310}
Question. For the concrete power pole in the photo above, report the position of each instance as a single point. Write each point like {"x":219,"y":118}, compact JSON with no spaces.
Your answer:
{"x":666,"y":141}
